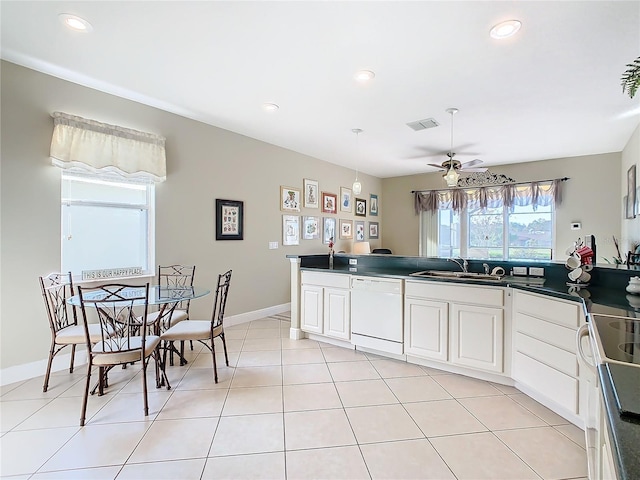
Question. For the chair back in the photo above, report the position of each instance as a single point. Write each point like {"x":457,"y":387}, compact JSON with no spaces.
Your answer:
{"x":385,"y":251}
{"x":177,"y":276}
{"x":220,"y":300}
{"x":122,"y":329}
{"x":56,"y":289}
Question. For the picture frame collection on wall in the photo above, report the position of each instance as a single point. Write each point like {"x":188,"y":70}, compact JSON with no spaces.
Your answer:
{"x":326,"y":228}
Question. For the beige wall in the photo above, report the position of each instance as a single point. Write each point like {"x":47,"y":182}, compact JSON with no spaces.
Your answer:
{"x":591,"y":196}
{"x":630,"y":235}
{"x":203,"y":163}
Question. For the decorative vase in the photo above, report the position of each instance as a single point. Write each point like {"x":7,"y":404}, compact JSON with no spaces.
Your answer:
{"x":331,"y":259}
{"x":634,"y":285}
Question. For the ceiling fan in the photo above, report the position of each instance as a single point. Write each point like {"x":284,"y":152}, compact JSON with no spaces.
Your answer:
{"x":453,"y":166}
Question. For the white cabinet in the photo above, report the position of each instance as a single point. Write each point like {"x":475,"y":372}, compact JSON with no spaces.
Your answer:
{"x":477,"y":336}
{"x":459,"y":324}
{"x":325,"y":304}
{"x":426,"y":328}
{"x":545,"y":349}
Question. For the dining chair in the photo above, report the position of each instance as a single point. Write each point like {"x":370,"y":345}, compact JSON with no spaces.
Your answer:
{"x":206,"y":330}
{"x":63,"y":320}
{"x":124,"y":335}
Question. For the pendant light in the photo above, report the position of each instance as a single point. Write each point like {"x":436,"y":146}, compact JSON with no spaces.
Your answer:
{"x":357,"y":186}
{"x":452,"y":176}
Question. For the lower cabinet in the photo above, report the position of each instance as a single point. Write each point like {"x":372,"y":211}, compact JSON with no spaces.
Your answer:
{"x":545,"y":349}
{"x":440,"y":324}
{"x":325,"y":304}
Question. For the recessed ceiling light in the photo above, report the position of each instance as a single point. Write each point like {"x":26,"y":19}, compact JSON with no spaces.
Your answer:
{"x":364,"y":75}
{"x":270,"y":107}
{"x":505,"y":29}
{"x":75,"y":23}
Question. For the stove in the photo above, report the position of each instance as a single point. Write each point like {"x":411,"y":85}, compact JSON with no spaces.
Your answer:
{"x":617,"y":338}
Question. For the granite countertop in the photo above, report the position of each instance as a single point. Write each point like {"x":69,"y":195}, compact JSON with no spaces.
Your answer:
{"x":625,"y":432}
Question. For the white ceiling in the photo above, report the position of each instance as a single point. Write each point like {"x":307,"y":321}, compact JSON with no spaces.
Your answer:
{"x":551,"y":91}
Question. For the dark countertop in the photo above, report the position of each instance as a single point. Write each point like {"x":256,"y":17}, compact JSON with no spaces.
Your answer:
{"x":624,"y":430}
{"x":601,"y":296}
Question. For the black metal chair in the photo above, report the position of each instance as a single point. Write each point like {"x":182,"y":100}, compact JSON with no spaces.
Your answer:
{"x":63,"y":320}
{"x":124,"y":336}
{"x":205,"y":331}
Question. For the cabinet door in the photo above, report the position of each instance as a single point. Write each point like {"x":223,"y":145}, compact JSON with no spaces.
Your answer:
{"x":477,"y":337}
{"x":311,"y":308}
{"x":337,"y":313}
{"x":426,"y":328}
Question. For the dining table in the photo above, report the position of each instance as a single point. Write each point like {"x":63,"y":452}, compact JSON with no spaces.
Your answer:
{"x":167,"y":298}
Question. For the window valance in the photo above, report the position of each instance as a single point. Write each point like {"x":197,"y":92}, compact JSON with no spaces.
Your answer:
{"x":88,"y":145}
{"x":540,"y":193}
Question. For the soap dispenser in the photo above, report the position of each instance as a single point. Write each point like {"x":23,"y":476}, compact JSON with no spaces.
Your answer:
{"x":634,"y":285}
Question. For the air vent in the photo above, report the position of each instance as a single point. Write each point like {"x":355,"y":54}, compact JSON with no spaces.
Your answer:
{"x":423,"y":124}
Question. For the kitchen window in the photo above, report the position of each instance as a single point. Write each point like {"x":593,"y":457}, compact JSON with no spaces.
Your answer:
{"x":107,"y":224}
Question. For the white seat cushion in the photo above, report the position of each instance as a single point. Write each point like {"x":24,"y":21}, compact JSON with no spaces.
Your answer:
{"x":191,"y":330}
{"x":106,"y":353}
{"x":75,"y":334}
{"x":177,"y":316}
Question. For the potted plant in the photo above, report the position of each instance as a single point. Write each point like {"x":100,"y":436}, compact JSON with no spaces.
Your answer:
{"x":631,"y":78}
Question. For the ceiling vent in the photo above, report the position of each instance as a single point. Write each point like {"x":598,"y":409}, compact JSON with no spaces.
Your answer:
{"x":423,"y":124}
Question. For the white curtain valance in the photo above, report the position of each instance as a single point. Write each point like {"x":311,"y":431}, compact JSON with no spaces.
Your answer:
{"x":87,"y":145}
{"x":510,"y":195}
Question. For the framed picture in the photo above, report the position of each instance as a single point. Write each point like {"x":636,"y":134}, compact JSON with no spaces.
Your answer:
{"x":346,"y":229}
{"x":310,"y":228}
{"x":328,"y":230}
{"x":229,"y":219}
{"x":373,"y":205}
{"x":359,"y":231}
{"x":310,"y":193}
{"x":290,"y":230}
{"x":628,"y":207}
{"x":373,"y":230}
{"x":361,"y":207}
{"x":346,"y":202}
{"x":631,"y":191}
{"x":289,"y":199}
{"x":329,"y":202}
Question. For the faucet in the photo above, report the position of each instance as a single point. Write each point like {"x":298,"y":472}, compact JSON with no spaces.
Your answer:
{"x":462,"y":263}
{"x":486,"y":268}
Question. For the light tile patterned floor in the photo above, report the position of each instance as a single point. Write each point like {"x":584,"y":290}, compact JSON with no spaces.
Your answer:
{"x":285,"y":409}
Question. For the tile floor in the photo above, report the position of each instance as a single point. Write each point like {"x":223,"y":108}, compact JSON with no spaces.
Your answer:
{"x":285,"y":409}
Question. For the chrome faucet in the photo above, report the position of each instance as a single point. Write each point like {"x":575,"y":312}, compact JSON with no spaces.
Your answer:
{"x":462,"y":263}
{"x":486,"y":268}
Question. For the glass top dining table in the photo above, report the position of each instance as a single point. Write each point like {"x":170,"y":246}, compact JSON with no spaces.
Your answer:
{"x":158,"y":295}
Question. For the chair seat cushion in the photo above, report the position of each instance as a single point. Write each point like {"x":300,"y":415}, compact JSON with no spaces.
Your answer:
{"x":113,"y":352}
{"x":177,"y":316}
{"x":191,"y":330}
{"x":75,"y":334}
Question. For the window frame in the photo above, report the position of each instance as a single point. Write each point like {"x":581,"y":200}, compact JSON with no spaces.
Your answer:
{"x":149,"y":206}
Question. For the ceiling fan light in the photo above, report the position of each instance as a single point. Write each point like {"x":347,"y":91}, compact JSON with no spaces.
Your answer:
{"x":451,"y":177}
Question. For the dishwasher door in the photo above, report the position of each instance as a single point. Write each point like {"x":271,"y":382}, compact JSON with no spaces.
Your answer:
{"x":377,"y":313}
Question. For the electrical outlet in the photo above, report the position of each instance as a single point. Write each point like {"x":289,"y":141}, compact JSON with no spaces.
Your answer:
{"x":273,"y":245}
{"x":519,"y":270}
{"x":536,"y":271}
{"x":353,"y":269}
{"x":353,"y":261}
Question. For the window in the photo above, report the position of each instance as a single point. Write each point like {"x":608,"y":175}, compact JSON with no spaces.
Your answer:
{"x":107,"y":223}
{"x":500,"y":233}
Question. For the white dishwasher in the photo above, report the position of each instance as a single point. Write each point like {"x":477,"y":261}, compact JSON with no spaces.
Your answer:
{"x":376,"y":313}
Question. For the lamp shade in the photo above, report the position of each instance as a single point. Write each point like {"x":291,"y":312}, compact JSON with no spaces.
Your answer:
{"x":361,"y":248}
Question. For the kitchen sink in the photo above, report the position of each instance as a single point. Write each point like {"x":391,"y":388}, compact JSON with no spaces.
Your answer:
{"x":461,"y":275}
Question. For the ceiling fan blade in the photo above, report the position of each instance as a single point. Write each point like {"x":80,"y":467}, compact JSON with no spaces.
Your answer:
{"x":471,"y":163}
{"x":473,"y":169}
{"x":437,"y":166}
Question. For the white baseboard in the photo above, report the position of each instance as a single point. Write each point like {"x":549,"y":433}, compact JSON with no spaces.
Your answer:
{"x":19,"y":373}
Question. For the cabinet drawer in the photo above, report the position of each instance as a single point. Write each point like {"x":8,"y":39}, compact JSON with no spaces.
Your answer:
{"x":548,"y":332}
{"x":548,"y":354}
{"x":551,"y":383}
{"x":557,"y":311}
{"x":478,"y":295}
{"x":335,"y":280}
